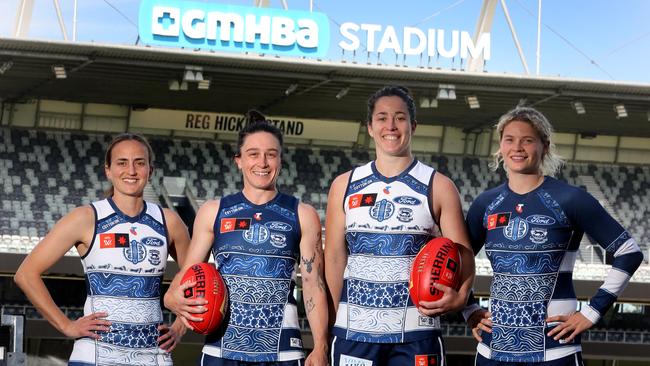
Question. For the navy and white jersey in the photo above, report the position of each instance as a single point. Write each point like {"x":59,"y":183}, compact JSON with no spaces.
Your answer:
{"x":532,"y":241}
{"x":124,"y":267}
{"x":387,"y":221}
{"x":256,"y":248}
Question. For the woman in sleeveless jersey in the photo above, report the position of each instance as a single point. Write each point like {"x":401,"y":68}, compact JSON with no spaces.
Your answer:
{"x":123,"y":242}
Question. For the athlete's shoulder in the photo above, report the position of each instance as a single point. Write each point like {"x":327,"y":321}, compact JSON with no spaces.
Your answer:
{"x":491,"y":193}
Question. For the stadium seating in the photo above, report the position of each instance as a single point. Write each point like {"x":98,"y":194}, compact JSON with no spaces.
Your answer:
{"x":47,"y":173}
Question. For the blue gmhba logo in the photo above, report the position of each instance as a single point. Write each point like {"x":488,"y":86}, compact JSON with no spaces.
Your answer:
{"x":235,"y":28}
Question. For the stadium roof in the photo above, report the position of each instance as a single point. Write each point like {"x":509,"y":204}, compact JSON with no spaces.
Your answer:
{"x":139,"y":76}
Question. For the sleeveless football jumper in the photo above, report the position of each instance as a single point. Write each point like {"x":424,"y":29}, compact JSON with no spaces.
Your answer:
{"x":124,"y":267}
{"x":256,"y":248}
{"x":387,"y":221}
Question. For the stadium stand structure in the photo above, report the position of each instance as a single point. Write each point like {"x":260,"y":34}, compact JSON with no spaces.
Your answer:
{"x":45,"y":174}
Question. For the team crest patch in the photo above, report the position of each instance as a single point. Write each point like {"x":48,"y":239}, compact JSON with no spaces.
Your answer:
{"x":346,"y":360}
{"x":257,"y":234}
{"x":427,"y":360}
{"x":233,"y":224}
{"x":278,"y":240}
{"x":405,"y":214}
{"x":538,"y":235}
{"x":154,"y":257}
{"x":135,"y":253}
{"x":517,"y":228}
{"x":382,"y":210}
{"x":113,"y":240}
{"x":498,"y":220}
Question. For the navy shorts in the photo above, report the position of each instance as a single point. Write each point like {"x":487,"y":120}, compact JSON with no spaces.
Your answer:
{"x":207,"y":360}
{"x":571,"y":360}
{"x":426,"y":352}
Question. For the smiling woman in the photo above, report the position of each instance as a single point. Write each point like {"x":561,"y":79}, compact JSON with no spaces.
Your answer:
{"x":123,"y":242}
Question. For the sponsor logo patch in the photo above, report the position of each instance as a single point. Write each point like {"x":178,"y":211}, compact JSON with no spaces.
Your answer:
{"x":113,"y":240}
{"x":361,"y":200}
{"x":498,"y":220}
{"x":278,"y":226}
{"x":540,"y":220}
{"x":346,"y":360}
{"x":152,"y":241}
{"x":233,"y":224}
{"x":295,"y":342}
{"x":407,"y":200}
{"x":426,"y":360}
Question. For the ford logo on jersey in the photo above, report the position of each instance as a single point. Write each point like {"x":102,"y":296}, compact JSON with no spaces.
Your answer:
{"x":407,"y":200}
{"x":152,"y":241}
{"x":540,"y":220}
{"x":277,"y":225}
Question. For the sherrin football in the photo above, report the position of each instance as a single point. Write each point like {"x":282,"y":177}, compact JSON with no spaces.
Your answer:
{"x":437,"y":262}
{"x":210,"y":286}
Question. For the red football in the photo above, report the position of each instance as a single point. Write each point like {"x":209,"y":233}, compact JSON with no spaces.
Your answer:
{"x":210,"y":286}
{"x":438,"y":261}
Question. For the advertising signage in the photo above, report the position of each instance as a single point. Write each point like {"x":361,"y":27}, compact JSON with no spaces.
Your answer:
{"x":220,"y":27}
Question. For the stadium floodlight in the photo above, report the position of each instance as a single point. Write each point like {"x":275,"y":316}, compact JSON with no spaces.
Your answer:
{"x":446,"y":92}
{"x":5,"y":66}
{"x":426,"y":102}
{"x":648,"y":116}
{"x":620,"y":110}
{"x":203,"y":84}
{"x":578,"y":107}
{"x":472,"y":101}
{"x":59,"y":71}
{"x":292,"y":88}
{"x":174,"y":85}
{"x":343,"y":92}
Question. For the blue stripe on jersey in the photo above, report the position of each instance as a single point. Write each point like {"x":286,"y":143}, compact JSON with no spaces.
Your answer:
{"x":553,"y":206}
{"x":158,"y":227}
{"x":602,"y":301}
{"x":377,"y":295}
{"x":628,"y":263}
{"x":533,"y":287}
{"x":131,"y":335}
{"x":255,"y":266}
{"x":525,"y":263}
{"x":256,"y":315}
{"x":415,"y":185}
{"x":286,"y":213}
{"x":112,"y":284}
{"x":385,"y":244}
{"x":620,"y":240}
{"x":255,"y":290}
{"x":564,"y":287}
{"x":360,"y":184}
{"x":107,"y":223}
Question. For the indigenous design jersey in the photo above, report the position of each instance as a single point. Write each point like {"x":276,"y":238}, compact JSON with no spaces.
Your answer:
{"x":124,"y":268}
{"x":387,"y":221}
{"x":532,"y":241}
{"x":255,"y":249}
